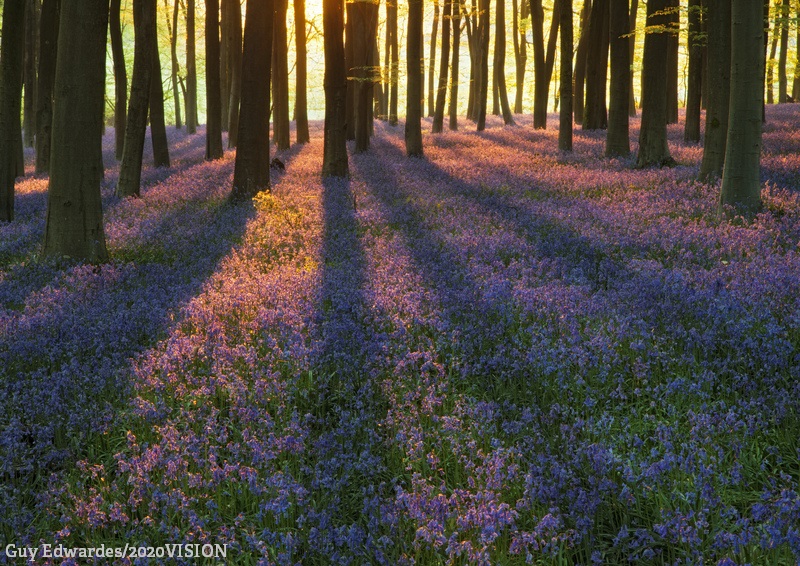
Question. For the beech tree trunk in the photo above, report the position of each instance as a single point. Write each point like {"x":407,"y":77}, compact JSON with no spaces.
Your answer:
{"x":796,"y":80}
{"x":782,"y":80}
{"x":741,"y":180}
{"x":224,"y":72}
{"x":694,"y":93}
{"x":500,"y":62}
{"x":191,"y":69}
{"x":11,"y":63}
{"x":334,"y":161}
{"x":565,"y":117}
{"x":653,"y":149}
{"x":365,"y":23}
{"x":441,"y":93}
{"x":130,"y":170}
{"x":30,"y":61}
{"x":579,"y":78}
{"x":413,"y":131}
{"x":280,"y":78}
{"x":158,"y":128}
{"x":301,"y":78}
{"x":595,"y":115}
{"x":453,"y":105}
{"x":213,"y":84}
{"x":48,"y":45}
{"x":673,"y":42}
{"x":632,"y":57}
{"x":175,"y":70}
{"x":483,"y":65}
{"x":74,"y":221}
{"x":539,"y":65}
{"x":120,"y":78}
{"x":251,"y":168}
{"x":394,"y":72}
{"x":235,"y":70}
{"x":718,"y":18}
{"x":349,"y":58}
{"x":521,"y":51}
{"x":432,"y":62}
{"x":773,"y":51}
{"x":618,"y":139}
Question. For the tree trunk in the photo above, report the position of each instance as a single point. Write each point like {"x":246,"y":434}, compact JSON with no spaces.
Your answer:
{"x":773,"y":51}
{"x":224,"y":58}
{"x":500,"y":62}
{"x":432,"y":62}
{"x":158,"y":129}
{"x":74,"y":224}
{"x":213,"y":87}
{"x":120,"y":78}
{"x":48,"y":44}
{"x":11,"y":69}
{"x":235,"y":69}
{"x":441,"y":93}
{"x":782,"y":80}
{"x":632,"y":54}
{"x":796,"y":81}
{"x":579,"y":78}
{"x":565,"y":121}
{"x":471,"y":24}
{"x":483,"y":66}
{"x":334,"y":161}
{"x":694,"y":93}
{"x":191,"y":69}
{"x":653,"y":148}
{"x":718,"y":18}
{"x":173,"y":53}
{"x":741,"y":180}
{"x":130,"y":170}
{"x":301,"y":78}
{"x":413,"y":132}
{"x":349,"y":58}
{"x":595,"y":115}
{"x":453,"y":105}
{"x":521,"y":52}
{"x":280,"y":78}
{"x":30,"y":60}
{"x":539,"y":65}
{"x":394,"y":73}
{"x":365,"y":27}
{"x":618,"y":139}
{"x":251,"y":169}
{"x":673,"y":44}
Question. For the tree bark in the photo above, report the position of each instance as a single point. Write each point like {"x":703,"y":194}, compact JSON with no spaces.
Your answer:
{"x":301,"y":79}
{"x":595,"y":115}
{"x":565,"y":117}
{"x":235,"y":70}
{"x":539,"y":64}
{"x":618,"y":139}
{"x":365,"y":27}
{"x":158,"y":129}
{"x":349,"y":58}
{"x":521,"y":52}
{"x":718,"y":17}
{"x":251,"y":169}
{"x":413,"y":131}
{"x":191,"y":69}
{"x":280,"y":78}
{"x":782,"y":80}
{"x":453,"y":104}
{"x":74,"y":221}
{"x":483,"y":64}
{"x":394,"y":73}
{"x":796,"y":80}
{"x":11,"y":70}
{"x":213,"y":84}
{"x":632,"y":54}
{"x":432,"y":61}
{"x":653,"y":148}
{"x":691,"y":133}
{"x":334,"y":161}
{"x":48,"y":44}
{"x":741,"y":180}
{"x":673,"y":18}
{"x":500,"y":62}
{"x":175,"y":68}
{"x":30,"y":60}
{"x":224,"y":59}
{"x":579,"y":78}
{"x":130,"y":169}
{"x":773,"y":51}
{"x":441,"y":93}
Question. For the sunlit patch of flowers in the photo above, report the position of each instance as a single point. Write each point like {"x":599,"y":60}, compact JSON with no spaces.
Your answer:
{"x":500,"y":354}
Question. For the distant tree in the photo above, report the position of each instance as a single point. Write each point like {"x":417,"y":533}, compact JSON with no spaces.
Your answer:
{"x":172,"y":28}
{"x":618,"y":139}
{"x":741,"y":179}
{"x":394,"y":72}
{"x":782,"y":80}
{"x":565,"y":122}
{"x":11,"y":63}
{"x":773,"y":51}
{"x":718,"y":22}
{"x":413,"y":132}
{"x":48,"y":45}
{"x":471,"y":26}
{"x":673,"y":43}
{"x":334,"y":159}
{"x":544,"y":60}
{"x":432,"y":58}
{"x":349,"y":58}
{"x":120,"y":77}
{"x":653,"y":148}
{"x":301,"y":77}
{"x":444,"y":66}
{"x":581,"y":55}
{"x":251,"y":169}
{"x":595,"y":113}
{"x":280,"y":78}
{"x":74,"y":221}
{"x":796,"y":80}
{"x":452,"y":108}
{"x":521,"y":50}
{"x":224,"y":60}
{"x":234,"y":32}
{"x":365,"y":23}
{"x":158,"y":128}
{"x":695,"y":44}
{"x":130,"y":169}
{"x":482,"y":75}
{"x":30,"y":60}
{"x":191,"y":68}
{"x":499,"y":62}
{"x":632,"y":52}
{"x":213,"y":84}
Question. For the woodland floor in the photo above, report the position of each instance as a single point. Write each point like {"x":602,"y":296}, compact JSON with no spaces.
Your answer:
{"x":500,"y":354}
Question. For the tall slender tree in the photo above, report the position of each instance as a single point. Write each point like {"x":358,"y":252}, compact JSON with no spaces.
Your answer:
{"x":251,"y":169}
{"x":74,"y":221}
{"x":653,"y":148}
{"x":444,"y":65}
{"x":48,"y":45}
{"x":696,"y":41}
{"x":432,"y":58}
{"x":673,"y":44}
{"x":565,"y":121}
{"x":595,"y":115}
{"x":280,"y":77}
{"x":11,"y":63}
{"x":235,"y":70}
{"x":796,"y":79}
{"x":773,"y":51}
{"x":120,"y":77}
{"x":224,"y":60}
{"x":483,"y":64}
{"x":365,"y":22}
{"x":741,"y":179}
{"x":632,"y":52}
{"x":581,"y":55}
{"x":413,"y":132}
{"x":394,"y":70}
{"x":452,"y":108}
{"x":521,"y":50}
{"x":158,"y":128}
{"x":301,"y":77}
{"x":213,"y":87}
{"x":191,"y":68}
{"x":172,"y":28}
{"x":718,"y":23}
{"x":499,"y":62}
{"x":30,"y":61}
{"x":618,"y":139}
{"x":334,"y":159}
{"x":782,"y":80}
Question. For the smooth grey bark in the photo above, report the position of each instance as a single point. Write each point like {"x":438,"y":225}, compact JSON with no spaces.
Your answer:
{"x":565,"y":94}
{"x":301,"y":78}
{"x":413,"y":131}
{"x":579,"y":76}
{"x":499,"y":62}
{"x":618,"y":138}
{"x":334,"y":160}
{"x":452,"y":108}
{"x":444,"y":64}
{"x":11,"y":63}
{"x":213,"y":84}
{"x":48,"y":45}
{"x":191,"y":68}
{"x":30,"y":63}
{"x":695,"y":40}
{"x":595,"y":112}
{"x":120,"y":77}
{"x":718,"y":19}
